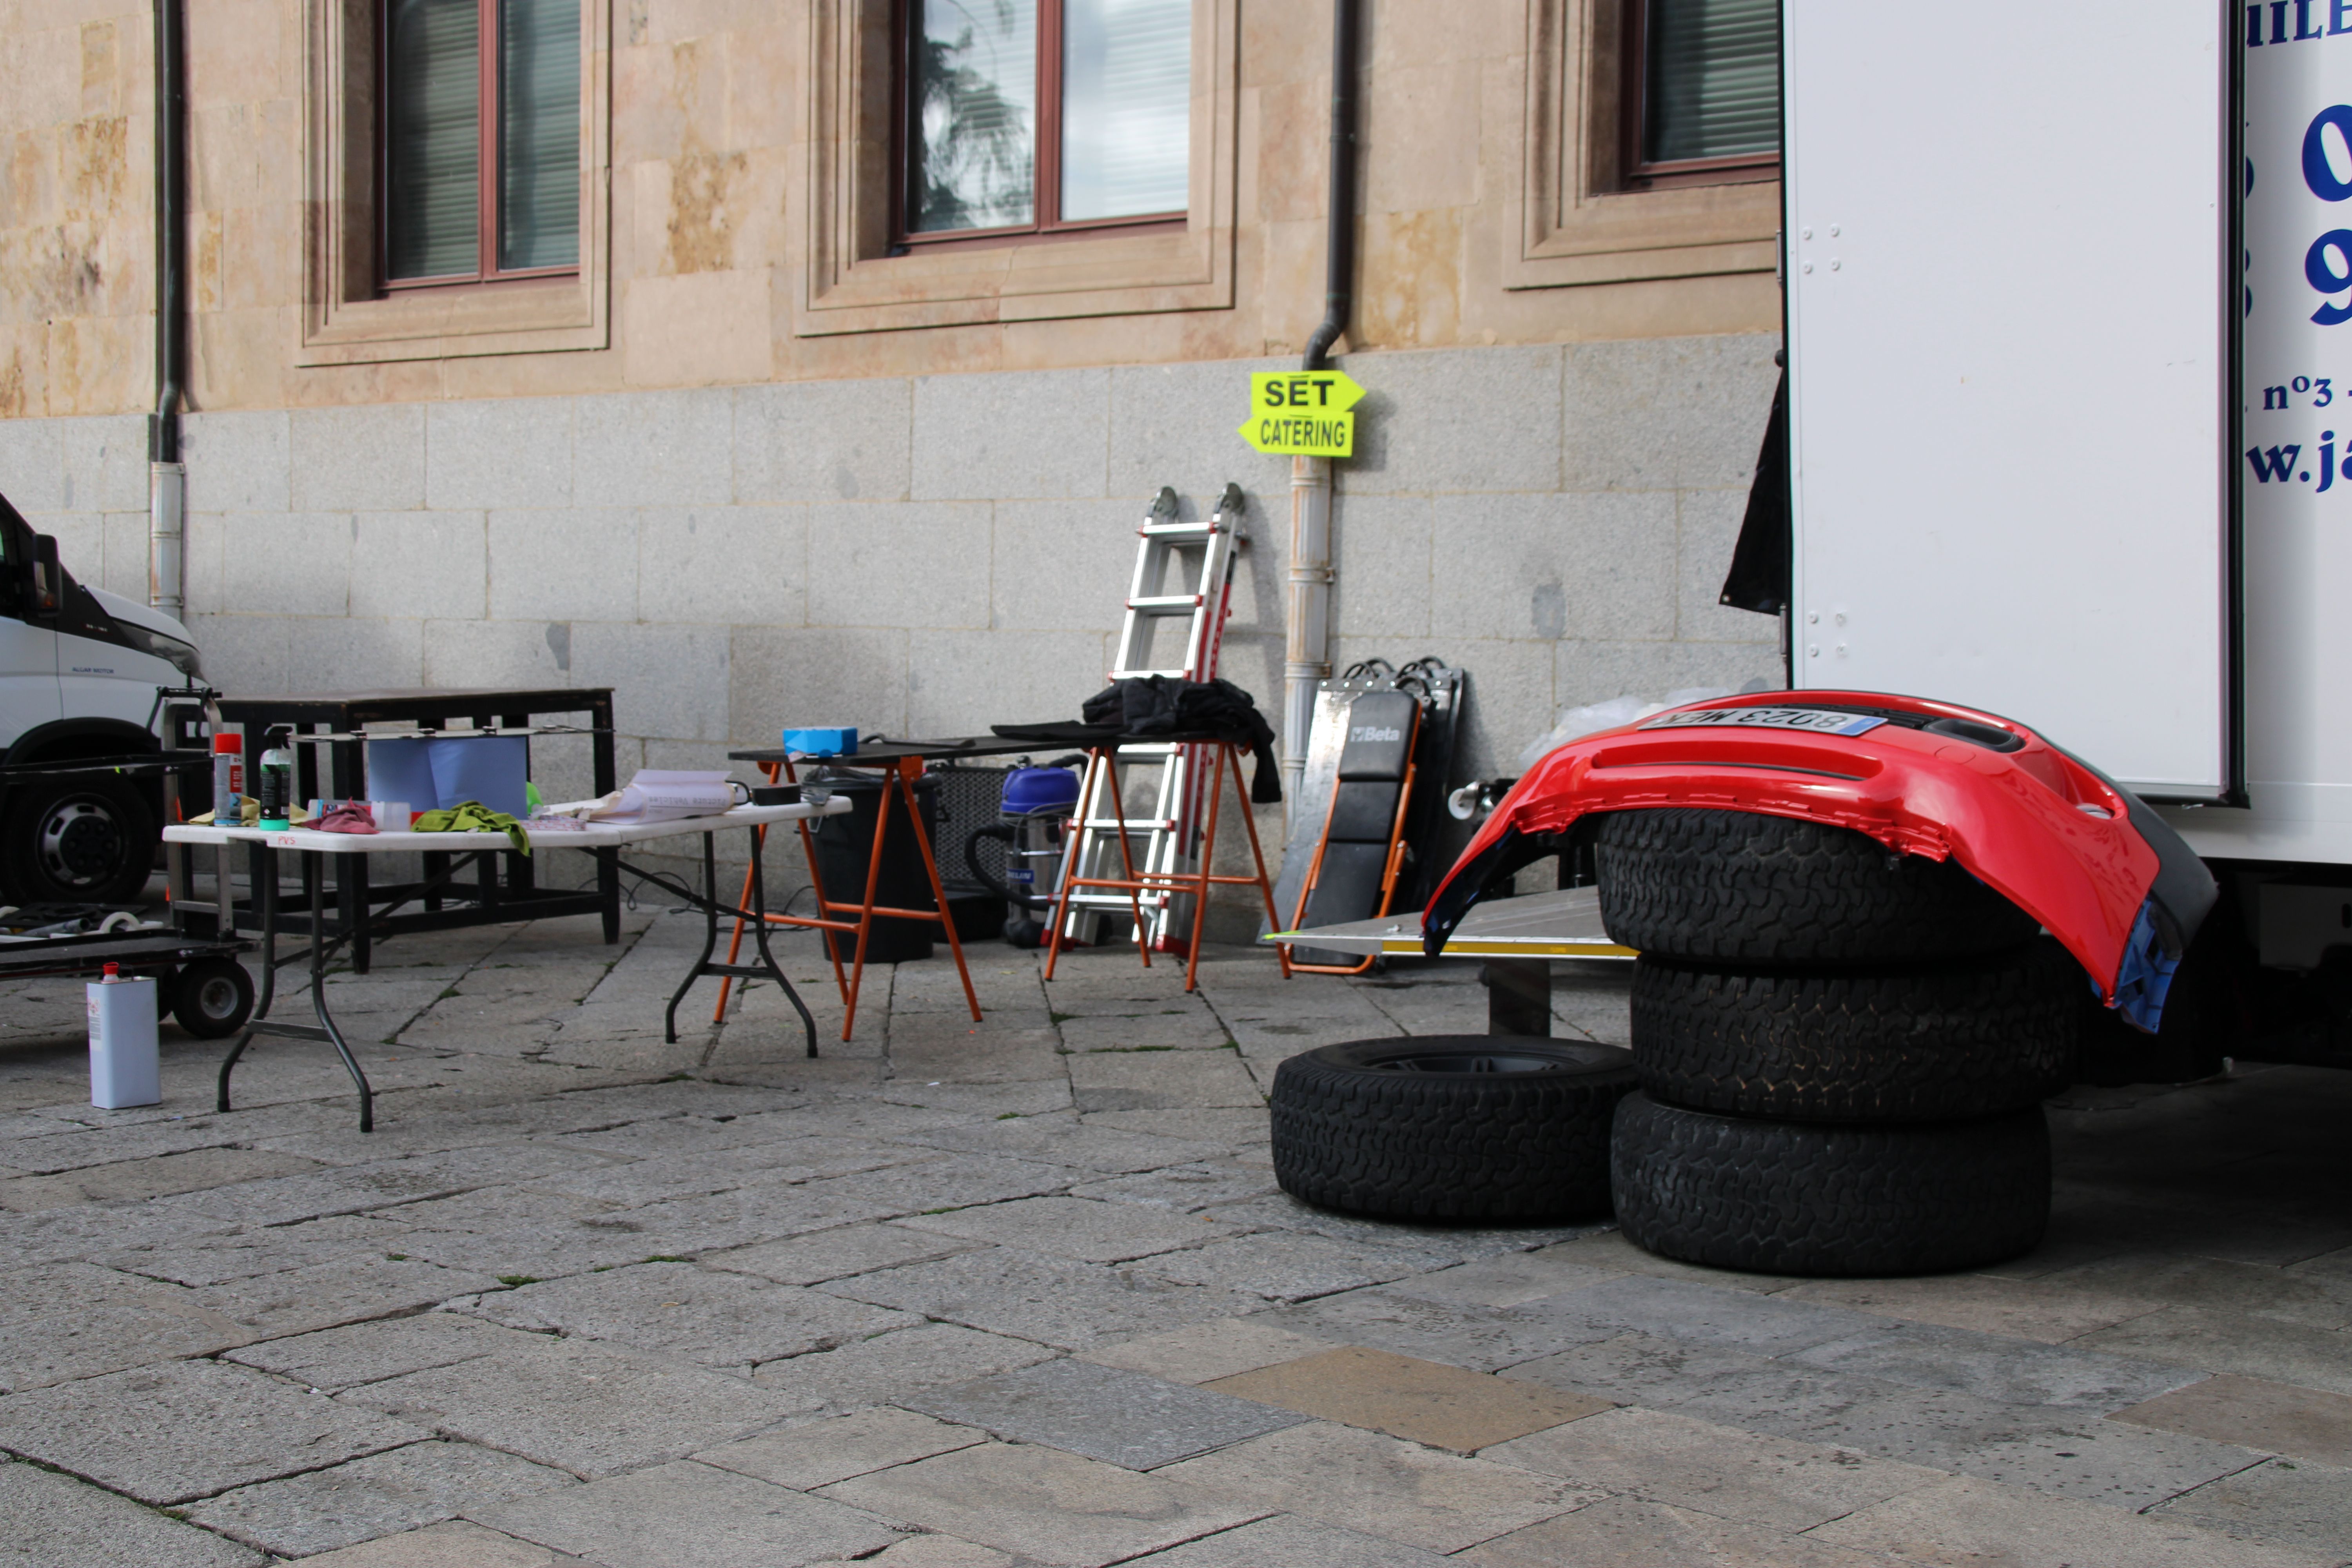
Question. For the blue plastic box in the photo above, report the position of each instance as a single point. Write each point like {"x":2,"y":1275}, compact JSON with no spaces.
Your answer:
{"x":822,"y":742}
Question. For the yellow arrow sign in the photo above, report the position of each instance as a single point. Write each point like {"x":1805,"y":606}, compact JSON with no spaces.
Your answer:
{"x":1303,"y":413}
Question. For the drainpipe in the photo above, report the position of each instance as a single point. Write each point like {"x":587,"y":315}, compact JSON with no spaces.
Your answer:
{"x":1307,"y":660}
{"x":167,"y":476}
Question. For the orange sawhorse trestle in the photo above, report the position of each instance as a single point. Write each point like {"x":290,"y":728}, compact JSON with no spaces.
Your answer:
{"x":900,"y":776}
{"x":1196,"y":882}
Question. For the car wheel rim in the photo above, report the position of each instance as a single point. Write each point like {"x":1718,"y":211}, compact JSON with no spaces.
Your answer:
{"x":80,"y":844}
{"x":217,"y":998}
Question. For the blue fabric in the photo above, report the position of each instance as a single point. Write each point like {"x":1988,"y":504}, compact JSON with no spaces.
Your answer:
{"x":2145,"y":976}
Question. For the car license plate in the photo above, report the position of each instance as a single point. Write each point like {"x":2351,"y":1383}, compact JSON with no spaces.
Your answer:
{"x":1816,"y":721}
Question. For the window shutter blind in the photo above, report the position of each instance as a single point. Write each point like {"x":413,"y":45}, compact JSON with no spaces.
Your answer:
{"x":1712,"y":86}
{"x":1126,"y":90}
{"x":433,"y":144}
{"x":539,"y":134}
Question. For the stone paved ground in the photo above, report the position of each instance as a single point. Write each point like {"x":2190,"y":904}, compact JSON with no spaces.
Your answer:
{"x":1026,"y":1292}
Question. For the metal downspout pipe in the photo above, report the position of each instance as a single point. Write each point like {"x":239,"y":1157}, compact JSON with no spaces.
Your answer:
{"x":167,"y":476}
{"x":1306,"y":658}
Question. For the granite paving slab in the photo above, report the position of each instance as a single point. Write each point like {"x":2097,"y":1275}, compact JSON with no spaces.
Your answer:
{"x":66,"y":1320}
{"x":337,"y":1359}
{"x":834,"y":1449}
{"x":1061,"y":1138}
{"x":1425,"y":1402}
{"x":135,"y":1180}
{"x":486,"y":1210}
{"x":2206,"y":1340}
{"x":1484,"y":1339}
{"x":1382,"y":1485}
{"x":262,"y":1250}
{"x":893,"y":1366}
{"x":1211,"y":1124}
{"x":1048,"y":1506}
{"x":1513,"y":1279}
{"x":187,"y":1429}
{"x":2306,"y":1295}
{"x":968,"y":1102}
{"x":41,"y":1145}
{"x":1104,"y":1413}
{"x":383,"y":1494}
{"x":1283,"y":1265}
{"x":1184,"y":1188}
{"x":1963,"y":1519}
{"x":1675,"y":1459}
{"x":2280,"y":1418}
{"x":2303,"y":1505}
{"x":950,"y":1183}
{"x":1457,"y":1244}
{"x":1293,"y":1543}
{"x":651,"y":1180}
{"x":1052,"y":1300}
{"x":86,"y":1231}
{"x":2096,"y":1460}
{"x":50,"y":1521}
{"x":1630,"y":1532}
{"x":459,"y":1544}
{"x":929,"y":1549}
{"x":1088,"y":1230}
{"x":1737,"y":1388}
{"x":1202,"y":1353}
{"x":297,"y":1300}
{"x":2042,"y":1309}
{"x":592,"y":1409}
{"x":687,"y":1513}
{"x":2016,"y":1372}
{"x":1148,"y":1080}
{"x":715,"y":1319}
{"x":354,"y":1189}
{"x":834,"y":1253}
{"x":1684,"y":1310}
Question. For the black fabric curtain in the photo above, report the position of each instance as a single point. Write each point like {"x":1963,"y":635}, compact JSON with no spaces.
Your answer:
{"x":1758,"y":578}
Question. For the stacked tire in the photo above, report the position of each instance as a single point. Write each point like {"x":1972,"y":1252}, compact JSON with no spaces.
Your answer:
{"x":1842,"y":1052}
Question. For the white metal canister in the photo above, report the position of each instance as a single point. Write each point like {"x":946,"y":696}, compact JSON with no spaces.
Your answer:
{"x":125,"y":1065}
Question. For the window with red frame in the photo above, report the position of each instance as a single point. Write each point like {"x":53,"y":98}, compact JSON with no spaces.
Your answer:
{"x":1037,"y":116}
{"x":481,"y":140}
{"x":1702,"y":90}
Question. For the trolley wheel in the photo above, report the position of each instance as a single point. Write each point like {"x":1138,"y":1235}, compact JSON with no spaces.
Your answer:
{"x":213,"y":997}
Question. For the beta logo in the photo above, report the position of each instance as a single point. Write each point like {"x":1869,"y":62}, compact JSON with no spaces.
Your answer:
{"x":1374,"y":733}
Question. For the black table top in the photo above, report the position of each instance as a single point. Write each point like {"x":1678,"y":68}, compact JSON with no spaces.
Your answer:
{"x":370,"y":707}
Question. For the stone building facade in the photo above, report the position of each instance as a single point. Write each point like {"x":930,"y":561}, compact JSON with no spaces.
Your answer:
{"x":749,"y":466}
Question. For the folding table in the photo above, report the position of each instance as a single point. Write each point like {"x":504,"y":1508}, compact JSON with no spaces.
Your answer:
{"x":901,"y":763}
{"x":313,"y":848}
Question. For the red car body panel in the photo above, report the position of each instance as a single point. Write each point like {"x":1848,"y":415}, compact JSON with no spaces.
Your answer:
{"x":2044,"y":830}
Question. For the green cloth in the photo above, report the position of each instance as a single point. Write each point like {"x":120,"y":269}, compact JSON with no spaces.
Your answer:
{"x":471,"y":816}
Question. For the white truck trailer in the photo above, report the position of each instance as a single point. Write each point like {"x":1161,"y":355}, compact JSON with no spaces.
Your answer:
{"x":2069,"y":329}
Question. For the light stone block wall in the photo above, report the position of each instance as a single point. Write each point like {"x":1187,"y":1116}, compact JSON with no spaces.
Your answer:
{"x":927,"y":555}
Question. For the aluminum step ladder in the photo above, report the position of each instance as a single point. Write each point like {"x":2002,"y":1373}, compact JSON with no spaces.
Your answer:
{"x":1184,"y":576}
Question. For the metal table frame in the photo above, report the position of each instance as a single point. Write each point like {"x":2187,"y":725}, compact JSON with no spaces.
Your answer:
{"x":315,"y":849}
{"x":500,"y":892}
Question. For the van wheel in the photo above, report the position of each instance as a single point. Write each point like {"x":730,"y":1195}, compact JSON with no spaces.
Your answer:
{"x":213,"y":997}
{"x":78,"y":840}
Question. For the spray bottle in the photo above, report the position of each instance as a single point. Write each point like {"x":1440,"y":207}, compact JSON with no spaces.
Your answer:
{"x":276,"y":782}
{"x":228,"y":777}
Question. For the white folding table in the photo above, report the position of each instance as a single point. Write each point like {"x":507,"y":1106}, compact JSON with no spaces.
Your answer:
{"x":313,"y":847}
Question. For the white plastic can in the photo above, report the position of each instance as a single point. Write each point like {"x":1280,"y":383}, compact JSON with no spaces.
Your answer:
{"x":125,"y":1064}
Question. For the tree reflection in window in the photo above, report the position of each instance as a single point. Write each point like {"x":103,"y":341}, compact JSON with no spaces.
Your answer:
{"x":974,"y":115}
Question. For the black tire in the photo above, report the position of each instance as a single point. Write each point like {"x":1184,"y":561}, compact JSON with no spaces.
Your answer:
{"x":1450,"y":1127}
{"x":1973,"y":1038}
{"x":213,"y":997}
{"x":1740,"y":887}
{"x":1786,"y":1197}
{"x":87,"y":838}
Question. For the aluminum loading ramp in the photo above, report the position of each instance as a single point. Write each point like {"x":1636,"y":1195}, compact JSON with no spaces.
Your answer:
{"x":1565,"y":924}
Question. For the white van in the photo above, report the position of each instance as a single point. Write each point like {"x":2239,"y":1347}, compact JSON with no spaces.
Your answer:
{"x":78,"y":673}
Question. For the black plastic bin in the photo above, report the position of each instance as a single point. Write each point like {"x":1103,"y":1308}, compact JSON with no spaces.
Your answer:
{"x":845,"y":847}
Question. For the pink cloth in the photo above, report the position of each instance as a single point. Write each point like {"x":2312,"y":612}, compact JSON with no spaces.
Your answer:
{"x":350,"y":817}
